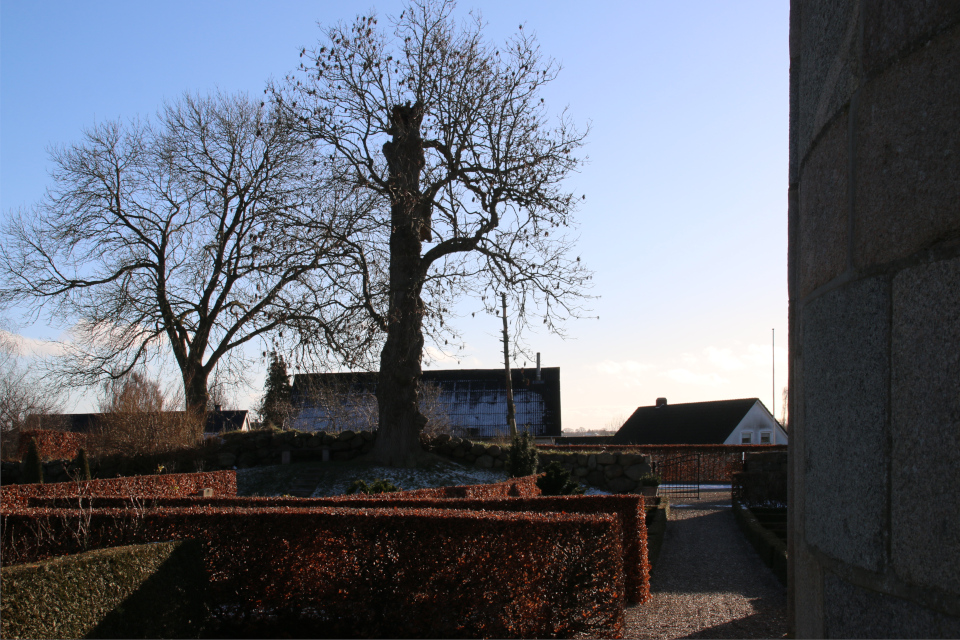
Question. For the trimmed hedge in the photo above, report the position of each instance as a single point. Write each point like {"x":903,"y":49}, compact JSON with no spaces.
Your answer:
{"x":52,"y":445}
{"x":770,"y":548}
{"x":223,"y":483}
{"x":629,"y":509}
{"x":144,"y":591}
{"x":377,"y":572}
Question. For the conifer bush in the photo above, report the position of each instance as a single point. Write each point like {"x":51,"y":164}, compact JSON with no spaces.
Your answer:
{"x":82,"y":464}
{"x":556,"y":481}
{"x":32,"y":465}
{"x":522,"y":460}
{"x":379,"y":485}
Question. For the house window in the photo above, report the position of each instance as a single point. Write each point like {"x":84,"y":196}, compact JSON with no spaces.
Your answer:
{"x":765,"y":437}
{"x":746,"y":438}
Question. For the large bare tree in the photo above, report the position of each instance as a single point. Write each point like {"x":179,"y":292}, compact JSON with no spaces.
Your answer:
{"x":452,"y":137}
{"x":191,"y":235}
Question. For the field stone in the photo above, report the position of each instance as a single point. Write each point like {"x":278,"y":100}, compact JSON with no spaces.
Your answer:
{"x":634,"y":472}
{"x":606,"y":458}
{"x":592,"y":461}
{"x":498,"y":463}
{"x":469,"y":457}
{"x":346,"y":436}
{"x":484,"y":462}
{"x":459,"y":452}
{"x":596,"y":478}
{"x":494,"y":450}
{"x":478,"y":450}
{"x":357,"y":441}
{"x":581,"y":472}
{"x":441,"y":439}
{"x":613,"y":471}
{"x":369,"y":436}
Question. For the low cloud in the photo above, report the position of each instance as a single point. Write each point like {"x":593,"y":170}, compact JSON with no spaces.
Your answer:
{"x":31,"y":347}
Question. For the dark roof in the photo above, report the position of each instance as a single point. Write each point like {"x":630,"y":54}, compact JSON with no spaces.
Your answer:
{"x":217,"y":421}
{"x":224,"y":420}
{"x":473,"y":399}
{"x":687,"y":423}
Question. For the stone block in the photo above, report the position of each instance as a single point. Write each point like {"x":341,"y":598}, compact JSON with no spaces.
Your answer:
{"x":315,"y":441}
{"x":357,"y":441}
{"x":808,"y":590}
{"x":346,"y":436}
{"x":340,"y":445}
{"x":613,"y":471}
{"x":441,"y":439}
{"x":498,"y":463}
{"x":484,"y":462}
{"x":606,"y":458}
{"x":478,"y":450}
{"x":636,"y":471}
{"x":850,"y":611}
{"x":824,"y":209}
{"x":908,"y":155}
{"x":621,"y":485}
{"x":596,"y":478}
{"x":592,"y":461}
{"x":370,"y":436}
{"x":582,"y":459}
{"x":925,"y":422}
{"x":890,"y":26}
{"x":829,"y":40}
{"x":581,"y":472}
{"x":846,"y":371}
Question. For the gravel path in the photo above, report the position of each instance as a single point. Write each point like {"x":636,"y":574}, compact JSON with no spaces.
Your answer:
{"x":709,"y":582}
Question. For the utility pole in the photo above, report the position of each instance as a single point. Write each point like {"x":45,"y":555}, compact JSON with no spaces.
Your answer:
{"x":511,"y":411}
{"x":773,"y":372}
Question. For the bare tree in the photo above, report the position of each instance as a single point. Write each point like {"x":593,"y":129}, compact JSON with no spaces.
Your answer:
{"x":22,"y":393}
{"x":192,"y":236}
{"x":137,"y":416}
{"x":451,"y":137}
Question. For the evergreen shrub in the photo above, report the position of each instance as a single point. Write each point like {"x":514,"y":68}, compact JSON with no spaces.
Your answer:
{"x":556,"y":481}
{"x":32,"y":465}
{"x":522,"y":460}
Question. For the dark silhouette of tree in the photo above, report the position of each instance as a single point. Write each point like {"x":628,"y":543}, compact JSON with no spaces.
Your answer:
{"x":191,"y":236}
{"x":275,"y":406}
{"x":451,"y":138}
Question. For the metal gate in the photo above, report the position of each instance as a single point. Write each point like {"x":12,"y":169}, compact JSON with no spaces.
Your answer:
{"x":680,"y":476}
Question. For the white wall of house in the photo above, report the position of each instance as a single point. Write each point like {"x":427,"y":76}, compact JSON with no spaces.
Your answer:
{"x":757,"y":427}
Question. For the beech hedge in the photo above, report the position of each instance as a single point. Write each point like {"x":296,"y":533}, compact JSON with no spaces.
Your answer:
{"x":223,"y":483}
{"x":629,"y":509}
{"x":373,"y":572}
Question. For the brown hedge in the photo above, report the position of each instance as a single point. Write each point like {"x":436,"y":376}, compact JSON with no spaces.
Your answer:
{"x":223,"y":483}
{"x":52,"y":445}
{"x":628,"y":508}
{"x":337,"y":572}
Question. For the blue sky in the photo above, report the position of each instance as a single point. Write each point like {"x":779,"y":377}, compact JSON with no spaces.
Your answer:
{"x":685,"y":219}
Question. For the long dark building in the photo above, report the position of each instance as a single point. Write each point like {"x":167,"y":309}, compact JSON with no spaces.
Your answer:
{"x":471,"y":402}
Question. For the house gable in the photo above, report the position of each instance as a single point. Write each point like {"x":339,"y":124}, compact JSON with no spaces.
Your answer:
{"x":758,"y":425}
{"x":686,"y":423}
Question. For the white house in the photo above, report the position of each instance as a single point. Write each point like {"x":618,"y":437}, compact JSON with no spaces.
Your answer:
{"x":742,"y":421}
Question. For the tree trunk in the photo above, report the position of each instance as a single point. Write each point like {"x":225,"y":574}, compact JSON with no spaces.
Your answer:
{"x":195,"y":393}
{"x":398,"y":386}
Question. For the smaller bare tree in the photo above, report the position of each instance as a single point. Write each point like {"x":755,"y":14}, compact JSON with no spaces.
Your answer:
{"x":23,"y":393}
{"x":138,"y":417}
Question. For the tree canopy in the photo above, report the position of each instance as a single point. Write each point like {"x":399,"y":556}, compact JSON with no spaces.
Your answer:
{"x":191,"y":235}
{"x":451,"y":138}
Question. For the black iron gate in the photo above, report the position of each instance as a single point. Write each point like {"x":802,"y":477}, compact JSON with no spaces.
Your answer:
{"x":680,"y":476}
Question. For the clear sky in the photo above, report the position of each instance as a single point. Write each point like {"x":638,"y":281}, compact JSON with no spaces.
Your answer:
{"x":685,"y":221}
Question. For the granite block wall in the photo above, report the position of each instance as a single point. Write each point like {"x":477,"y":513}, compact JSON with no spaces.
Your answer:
{"x":874,"y":279}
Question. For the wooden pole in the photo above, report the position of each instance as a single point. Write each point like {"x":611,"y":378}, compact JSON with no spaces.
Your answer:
{"x":511,"y":410}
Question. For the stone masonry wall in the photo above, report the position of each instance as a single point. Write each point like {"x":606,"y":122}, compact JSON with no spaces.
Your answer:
{"x":874,"y":280}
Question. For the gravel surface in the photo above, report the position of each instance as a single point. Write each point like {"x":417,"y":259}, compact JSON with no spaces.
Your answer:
{"x":709,"y":582}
